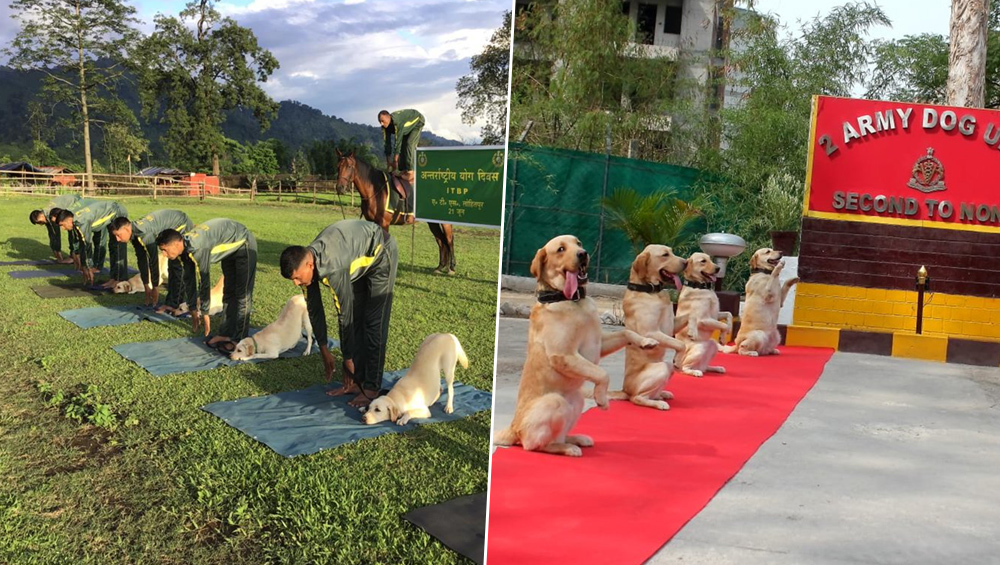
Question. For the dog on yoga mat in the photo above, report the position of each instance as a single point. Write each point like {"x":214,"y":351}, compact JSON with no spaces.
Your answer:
{"x":413,"y":394}
{"x":766,"y":295}
{"x":649,"y":312}
{"x":565,"y":343}
{"x":698,"y":312}
{"x":134,"y":284}
{"x":214,"y":301}
{"x":280,"y":335}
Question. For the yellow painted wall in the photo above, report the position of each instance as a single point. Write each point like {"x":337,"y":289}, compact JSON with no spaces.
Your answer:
{"x":871,"y":309}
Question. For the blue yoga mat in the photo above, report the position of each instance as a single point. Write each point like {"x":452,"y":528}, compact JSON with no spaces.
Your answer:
{"x":300,"y":422}
{"x":113,"y":316}
{"x":40,"y":273}
{"x":187,"y":354}
{"x":22,"y":262}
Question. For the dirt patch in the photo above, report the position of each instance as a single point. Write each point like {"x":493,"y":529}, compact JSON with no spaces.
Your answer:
{"x":93,"y":447}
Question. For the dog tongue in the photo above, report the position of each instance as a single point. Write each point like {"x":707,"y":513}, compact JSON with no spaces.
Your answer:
{"x":569,"y":289}
{"x":677,"y":281}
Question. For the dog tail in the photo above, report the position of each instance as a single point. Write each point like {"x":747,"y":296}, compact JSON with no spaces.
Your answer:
{"x":729,"y":348}
{"x":460,"y":352}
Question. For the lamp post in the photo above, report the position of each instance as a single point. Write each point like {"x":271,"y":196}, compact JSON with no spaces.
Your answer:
{"x":923,"y":283}
{"x":722,"y":247}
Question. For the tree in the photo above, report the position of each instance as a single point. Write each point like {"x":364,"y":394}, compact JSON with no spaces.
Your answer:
{"x":123,"y":143}
{"x":915,"y":68}
{"x":967,"y":56}
{"x":80,"y":46}
{"x":42,"y":155}
{"x":483,"y":93}
{"x":256,"y":161}
{"x":201,"y":65}
{"x":579,"y":77}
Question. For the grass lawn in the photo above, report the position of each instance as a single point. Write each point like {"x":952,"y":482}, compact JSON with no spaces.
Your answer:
{"x":178,"y":485}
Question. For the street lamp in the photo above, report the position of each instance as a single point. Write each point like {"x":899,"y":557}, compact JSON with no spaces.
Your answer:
{"x":923,"y":283}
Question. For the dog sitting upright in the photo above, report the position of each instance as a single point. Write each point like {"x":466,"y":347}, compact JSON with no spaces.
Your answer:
{"x":698,"y":315}
{"x":758,"y":333}
{"x":413,"y":394}
{"x":280,"y":335}
{"x":649,"y":312}
{"x":565,"y":343}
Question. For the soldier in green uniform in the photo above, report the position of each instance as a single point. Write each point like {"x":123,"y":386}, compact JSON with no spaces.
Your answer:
{"x":48,"y":217}
{"x":89,"y":225}
{"x":401,"y":128}
{"x":217,"y":241}
{"x":142,"y":233}
{"x":356,"y":260}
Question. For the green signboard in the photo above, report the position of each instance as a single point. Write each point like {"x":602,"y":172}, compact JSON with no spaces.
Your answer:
{"x":460,"y":185}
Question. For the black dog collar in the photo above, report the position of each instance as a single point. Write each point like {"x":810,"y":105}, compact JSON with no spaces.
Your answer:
{"x":550,"y":296}
{"x":703,"y":286}
{"x":650,"y":288}
{"x":759,"y":270}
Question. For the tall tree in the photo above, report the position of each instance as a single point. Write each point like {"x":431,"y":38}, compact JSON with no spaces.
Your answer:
{"x":201,"y":65}
{"x":80,"y":46}
{"x":482,"y":94}
{"x":967,"y":56}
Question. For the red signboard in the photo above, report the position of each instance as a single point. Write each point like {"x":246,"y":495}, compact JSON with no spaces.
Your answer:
{"x":902,"y":163}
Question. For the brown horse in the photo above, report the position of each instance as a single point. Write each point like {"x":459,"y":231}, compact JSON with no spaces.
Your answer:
{"x":382,"y":205}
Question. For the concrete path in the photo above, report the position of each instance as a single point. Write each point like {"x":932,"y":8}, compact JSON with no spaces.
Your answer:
{"x":885,"y":461}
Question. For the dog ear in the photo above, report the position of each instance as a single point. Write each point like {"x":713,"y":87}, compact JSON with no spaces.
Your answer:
{"x":393,"y":411}
{"x":689,"y":268}
{"x":641,"y":266}
{"x":538,"y":263}
{"x":251,"y":350}
{"x":753,"y":261}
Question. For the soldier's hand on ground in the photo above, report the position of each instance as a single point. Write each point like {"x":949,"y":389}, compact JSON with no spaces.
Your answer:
{"x":328,"y":364}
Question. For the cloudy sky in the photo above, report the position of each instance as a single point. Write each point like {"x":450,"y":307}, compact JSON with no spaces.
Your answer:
{"x":931,"y":17}
{"x":352,"y":58}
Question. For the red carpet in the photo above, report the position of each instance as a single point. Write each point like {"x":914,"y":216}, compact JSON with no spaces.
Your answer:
{"x":649,"y":472}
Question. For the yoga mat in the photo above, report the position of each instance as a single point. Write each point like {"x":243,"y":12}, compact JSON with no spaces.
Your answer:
{"x":460,"y":524}
{"x":67,"y":290}
{"x":301,"y":422}
{"x":40,"y":273}
{"x":22,"y":262}
{"x":187,"y":354}
{"x":649,"y":472}
{"x":114,"y":316}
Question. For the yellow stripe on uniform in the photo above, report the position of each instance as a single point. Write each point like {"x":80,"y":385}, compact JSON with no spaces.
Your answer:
{"x":336,"y":301}
{"x":362,"y":262}
{"x":223,"y":247}
{"x":411,"y":122}
{"x":102,"y":220}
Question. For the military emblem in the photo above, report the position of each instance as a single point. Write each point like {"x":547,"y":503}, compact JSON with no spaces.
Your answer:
{"x":928,"y":173}
{"x":422,"y":158}
{"x":498,"y":158}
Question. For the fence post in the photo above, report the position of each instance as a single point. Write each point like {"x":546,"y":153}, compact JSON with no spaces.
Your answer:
{"x":201,"y":191}
{"x":154,"y":192}
{"x":314,"y":193}
{"x":509,"y":236}
{"x":604,"y":194}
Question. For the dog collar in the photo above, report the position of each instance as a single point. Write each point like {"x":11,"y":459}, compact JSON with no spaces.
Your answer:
{"x":703,"y":286}
{"x":650,"y":288}
{"x":256,"y":349}
{"x":550,"y":296}
{"x":758,"y":270}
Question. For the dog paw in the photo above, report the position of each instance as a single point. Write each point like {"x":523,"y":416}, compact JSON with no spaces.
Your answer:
{"x":666,"y":395}
{"x":661,"y":405}
{"x":748,"y":353}
{"x":648,"y":343}
{"x":403,"y":420}
{"x":775,"y":352}
{"x":693,"y":373}
{"x":448,"y":409}
{"x":692,"y":332}
{"x":573,"y":451}
{"x":583,"y":441}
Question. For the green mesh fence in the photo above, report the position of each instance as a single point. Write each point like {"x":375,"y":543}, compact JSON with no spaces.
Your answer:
{"x":557,"y":191}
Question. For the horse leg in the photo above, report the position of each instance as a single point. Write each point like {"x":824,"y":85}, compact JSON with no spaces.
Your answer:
{"x":438,"y":237}
{"x":449,"y":239}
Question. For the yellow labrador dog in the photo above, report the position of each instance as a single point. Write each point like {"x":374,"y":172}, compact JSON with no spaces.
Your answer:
{"x":134,"y":284}
{"x":649,"y":312}
{"x":420,"y":387}
{"x":698,"y":308}
{"x":280,"y":335}
{"x":214,"y":300}
{"x":758,"y":333}
{"x":565,"y":343}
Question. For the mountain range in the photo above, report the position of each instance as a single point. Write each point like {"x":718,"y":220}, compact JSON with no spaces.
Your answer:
{"x":297,"y":125}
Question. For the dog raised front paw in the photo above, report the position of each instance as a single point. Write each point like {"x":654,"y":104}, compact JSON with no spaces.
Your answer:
{"x":648,"y":343}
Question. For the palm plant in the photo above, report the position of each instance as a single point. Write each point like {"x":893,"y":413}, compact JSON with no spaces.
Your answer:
{"x":661,"y":217}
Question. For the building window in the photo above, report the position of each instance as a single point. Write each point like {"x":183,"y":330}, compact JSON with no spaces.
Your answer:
{"x":646,"y":23}
{"x":672,"y":21}
{"x":720,"y":33}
